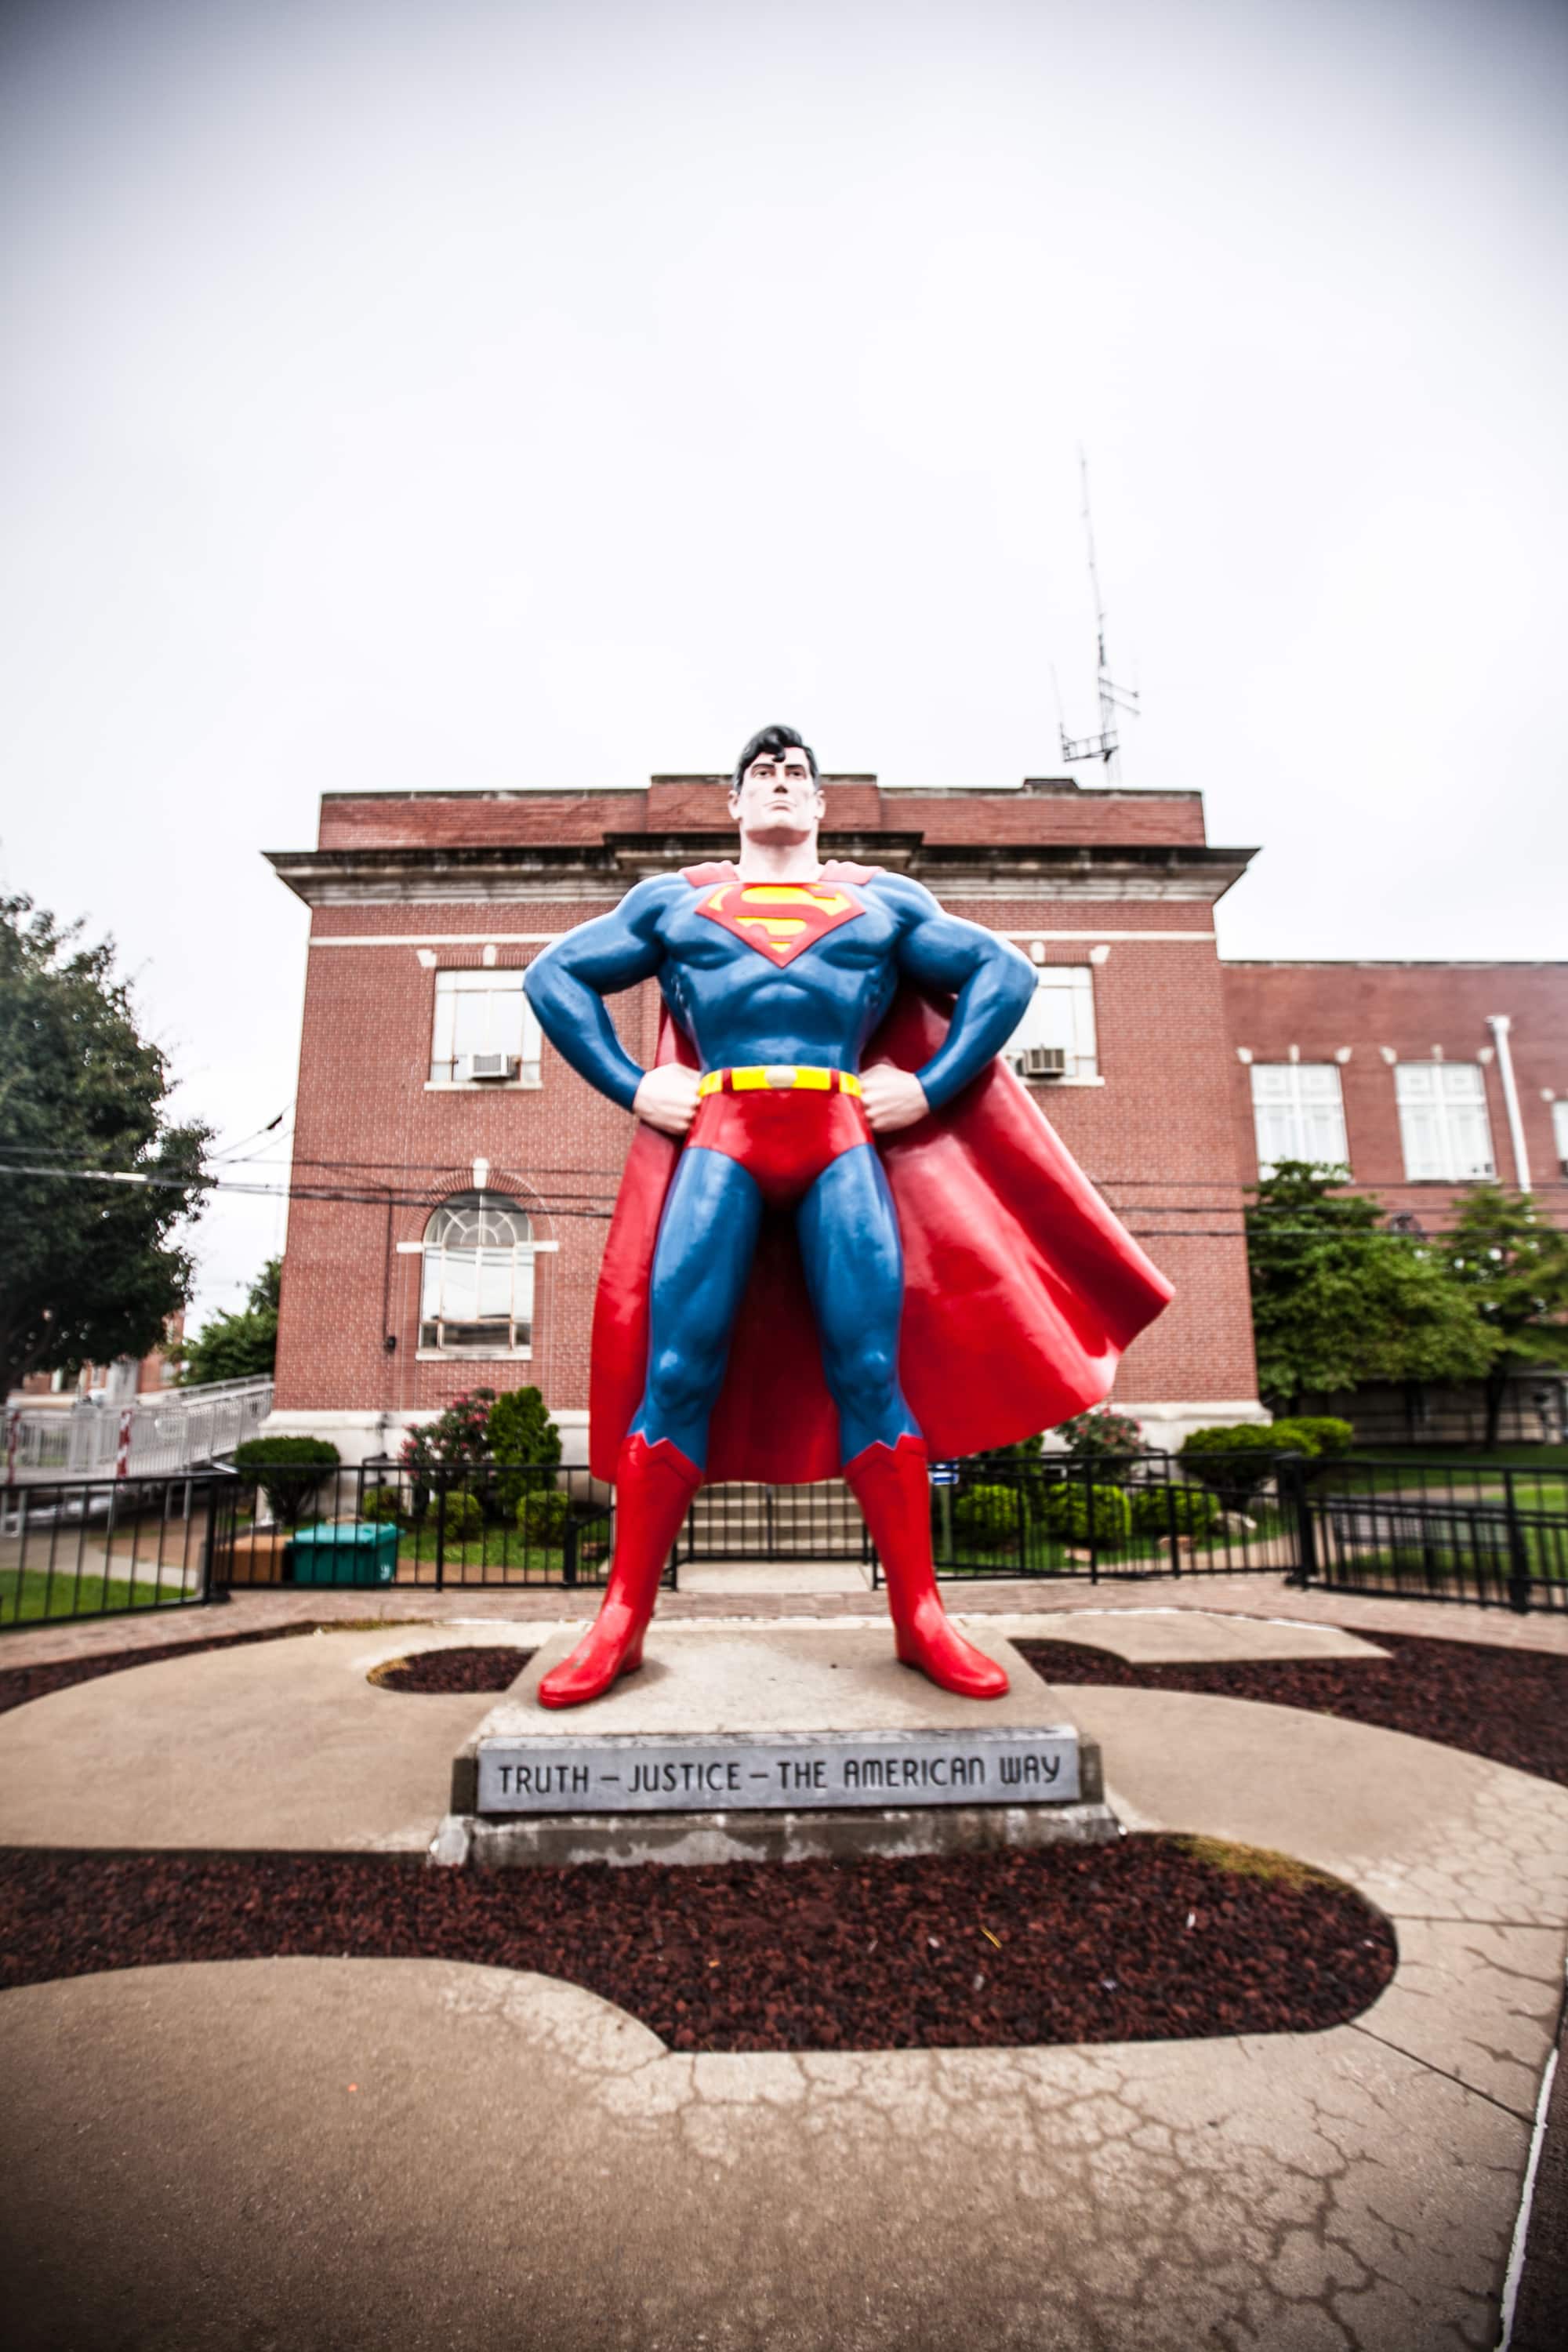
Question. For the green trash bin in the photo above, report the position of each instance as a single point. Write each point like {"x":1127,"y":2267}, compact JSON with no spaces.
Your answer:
{"x":344,"y":1552}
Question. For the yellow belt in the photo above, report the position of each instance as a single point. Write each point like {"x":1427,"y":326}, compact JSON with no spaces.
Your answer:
{"x":779,"y":1075}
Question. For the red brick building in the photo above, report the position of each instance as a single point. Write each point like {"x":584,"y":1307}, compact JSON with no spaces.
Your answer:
{"x":452,"y":1177}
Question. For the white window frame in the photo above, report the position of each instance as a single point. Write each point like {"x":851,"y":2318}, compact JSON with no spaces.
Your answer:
{"x":1060,"y":1012}
{"x":1445,"y":1126}
{"x":470,"y":980}
{"x":443,"y":1263}
{"x":1560,"y":1132}
{"x":1299,"y":1113}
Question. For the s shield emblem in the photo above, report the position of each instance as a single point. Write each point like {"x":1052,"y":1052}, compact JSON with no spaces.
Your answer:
{"x":781,"y":919}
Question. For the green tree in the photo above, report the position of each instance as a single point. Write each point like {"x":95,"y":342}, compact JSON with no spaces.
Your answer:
{"x":1513,"y":1265}
{"x":1338,"y":1300}
{"x":237,"y":1346}
{"x":89,"y":1269}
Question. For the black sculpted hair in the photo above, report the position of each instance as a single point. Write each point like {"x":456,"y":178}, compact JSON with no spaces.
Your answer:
{"x":774,"y":740}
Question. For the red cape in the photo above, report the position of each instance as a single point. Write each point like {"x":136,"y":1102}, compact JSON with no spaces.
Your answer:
{"x":1021,"y":1289}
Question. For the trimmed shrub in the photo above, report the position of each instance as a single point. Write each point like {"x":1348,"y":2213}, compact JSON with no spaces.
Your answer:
{"x":520,"y":1430}
{"x":382,"y":1504}
{"x":289,"y":1470}
{"x":986,"y":1518}
{"x":1065,"y":1513}
{"x":521,"y":1437}
{"x":1183,"y":1510}
{"x":463,"y":1515}
{"x":1235,"y":1459}
{"x":1312,"y":1433}
{"x":542,"y":1515}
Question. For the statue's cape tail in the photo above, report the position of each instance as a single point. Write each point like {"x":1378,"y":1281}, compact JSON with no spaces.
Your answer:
{"x":1022,"y":1289}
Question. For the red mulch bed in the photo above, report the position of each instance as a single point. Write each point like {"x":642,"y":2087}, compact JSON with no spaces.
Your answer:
{"x":1144,"y":1939}
{"x":483,"y":1667}
{"x":1509,"y":1706}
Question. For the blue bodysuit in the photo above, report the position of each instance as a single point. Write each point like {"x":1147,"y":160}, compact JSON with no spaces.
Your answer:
{"x":778,"y":986}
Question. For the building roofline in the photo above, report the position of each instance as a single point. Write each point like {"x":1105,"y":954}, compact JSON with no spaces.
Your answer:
{"x":1395,"y":963}
{"x":500,"y":792}
{"x":1031,"y":788}
{"x":1178,"y":869}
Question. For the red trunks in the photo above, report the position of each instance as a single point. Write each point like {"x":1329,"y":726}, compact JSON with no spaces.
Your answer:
{"x":783,"y":1139}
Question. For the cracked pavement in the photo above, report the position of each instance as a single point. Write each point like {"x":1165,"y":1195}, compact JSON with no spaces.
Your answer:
{"x":183,"y":2161}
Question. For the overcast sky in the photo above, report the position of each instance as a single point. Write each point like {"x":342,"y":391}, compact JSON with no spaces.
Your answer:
{"x":461,"y":397}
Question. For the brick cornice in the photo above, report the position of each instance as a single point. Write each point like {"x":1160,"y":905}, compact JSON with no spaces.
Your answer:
{"x":336,"y":878}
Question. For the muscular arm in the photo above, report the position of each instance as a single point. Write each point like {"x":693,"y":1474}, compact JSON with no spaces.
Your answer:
{"x":568,"y":983}
{"x":990,"y":979}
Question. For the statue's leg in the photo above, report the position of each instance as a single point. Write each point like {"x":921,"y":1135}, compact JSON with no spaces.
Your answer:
{"x":849,"y":1231}
{"x":700,"y":1264}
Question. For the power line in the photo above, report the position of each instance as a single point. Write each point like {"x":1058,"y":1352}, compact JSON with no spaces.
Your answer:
{"x":382,"y":1197}
{"x":229,"y":1150}
{"x":388,"y":1196}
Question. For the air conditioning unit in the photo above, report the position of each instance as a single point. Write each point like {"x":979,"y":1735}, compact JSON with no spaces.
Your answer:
{"x":1045,"y":1061}
{"x":489,"y":1067}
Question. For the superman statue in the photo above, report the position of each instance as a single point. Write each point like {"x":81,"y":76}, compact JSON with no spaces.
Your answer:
{"x":825,"y":1129}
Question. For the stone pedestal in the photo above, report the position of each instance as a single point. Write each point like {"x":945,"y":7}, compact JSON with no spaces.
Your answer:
{"x":767,"y":1743}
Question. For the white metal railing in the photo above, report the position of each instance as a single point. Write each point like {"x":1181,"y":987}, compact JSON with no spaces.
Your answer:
{"x":149,"y":1437}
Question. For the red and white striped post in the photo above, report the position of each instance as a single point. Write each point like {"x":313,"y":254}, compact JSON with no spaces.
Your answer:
{"x":122,"y":1457}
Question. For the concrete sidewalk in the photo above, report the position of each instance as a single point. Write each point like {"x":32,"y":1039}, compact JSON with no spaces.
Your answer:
{"x":356,"y":2154}
{"x":410,"y":2154}
{"x":789,"y":1588}
{"x":288,"y":1744}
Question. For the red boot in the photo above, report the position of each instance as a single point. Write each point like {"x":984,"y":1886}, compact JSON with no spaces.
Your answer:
{"x":892,"y":1486}
{"x":653,"y":1487}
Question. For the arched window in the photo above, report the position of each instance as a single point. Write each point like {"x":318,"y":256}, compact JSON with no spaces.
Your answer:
{"x":478,"y":1293}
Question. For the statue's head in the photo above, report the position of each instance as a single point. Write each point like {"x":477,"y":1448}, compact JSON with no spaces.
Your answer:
{"x":775,"y":796}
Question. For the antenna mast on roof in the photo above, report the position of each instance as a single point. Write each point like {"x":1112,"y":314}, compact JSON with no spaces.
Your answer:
{"x":1114,"y":698}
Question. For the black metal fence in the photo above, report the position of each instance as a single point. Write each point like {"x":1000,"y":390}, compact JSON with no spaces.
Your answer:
{"x":486,"y":1525}
{"x":1471,"y":1531}
{"x":1459,"y":1532}
{"x":1113,"y":1516}
{"x":108,"y":1547}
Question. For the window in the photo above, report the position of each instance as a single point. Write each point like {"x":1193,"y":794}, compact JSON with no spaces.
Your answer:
{"x":1059,"y":1017}
{"x":485,"y":1032}
{"x":1443,"y":1122}
{"x":1297,"y":1113}
{"x":477,"y":1297}
{"x":1559,"y":1133}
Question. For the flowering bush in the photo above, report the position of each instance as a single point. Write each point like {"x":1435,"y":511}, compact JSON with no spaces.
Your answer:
{"x":458,"y":1435}
{"x":1114,"y":1439}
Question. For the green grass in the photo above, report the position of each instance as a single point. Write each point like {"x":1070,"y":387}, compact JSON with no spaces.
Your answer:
{"x":1252,"y":1862}
{"x":1544,"y":1492}
{"x":1046,"y":1555}
{"x":1417,"y":1575}
{"x":25,"y":1598}
{"x":1513,"y":1457}
{"x":499,"y":1547}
